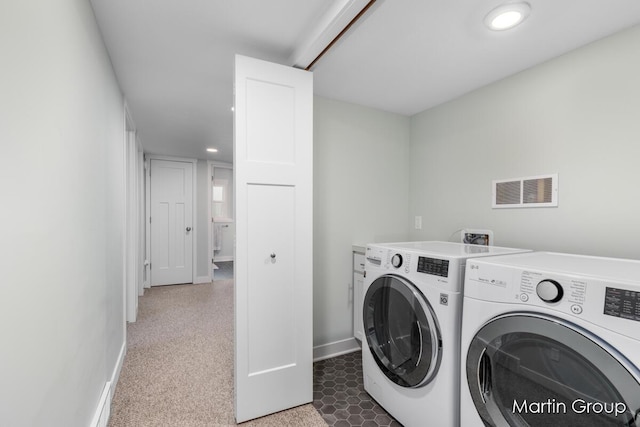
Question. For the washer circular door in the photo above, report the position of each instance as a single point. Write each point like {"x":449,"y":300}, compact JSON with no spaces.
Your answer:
{"x":402,"y":331}
{"x":529,"y":369}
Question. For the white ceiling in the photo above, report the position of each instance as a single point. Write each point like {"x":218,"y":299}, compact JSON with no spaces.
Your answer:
{"x":174,"y":59}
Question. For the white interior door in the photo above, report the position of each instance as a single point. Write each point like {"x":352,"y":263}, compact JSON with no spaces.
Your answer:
{"x":273,"y":152}
{"x":171,"y":222}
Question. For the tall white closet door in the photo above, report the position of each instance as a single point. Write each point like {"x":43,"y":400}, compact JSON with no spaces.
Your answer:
{"x":273,"y":153}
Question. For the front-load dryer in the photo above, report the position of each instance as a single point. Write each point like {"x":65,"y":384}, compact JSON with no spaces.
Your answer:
{"x":551,"y":340}
{"x":411,"y":317}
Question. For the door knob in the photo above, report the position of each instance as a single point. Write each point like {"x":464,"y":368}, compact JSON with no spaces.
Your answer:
{"x":188,"y":229}
{"x":273,"y":256}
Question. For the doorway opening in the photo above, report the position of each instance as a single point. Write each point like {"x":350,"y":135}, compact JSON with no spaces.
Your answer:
{"x":222,"y":224}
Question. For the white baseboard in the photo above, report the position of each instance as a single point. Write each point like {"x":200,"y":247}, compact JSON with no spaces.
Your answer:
{"x":101,"y":417}
{"x":202,"y":279}
{"x":115,"y":376}
{"x":103,"y":410}
{"x":333,"y":349}
{"x":222,"y":258}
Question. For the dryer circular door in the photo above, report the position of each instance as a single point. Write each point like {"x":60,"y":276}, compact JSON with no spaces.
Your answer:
{"x":402,"y":331}
{"x":529,"y":369}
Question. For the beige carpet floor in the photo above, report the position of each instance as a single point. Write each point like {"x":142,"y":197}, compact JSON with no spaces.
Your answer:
{"x":178,"y":370}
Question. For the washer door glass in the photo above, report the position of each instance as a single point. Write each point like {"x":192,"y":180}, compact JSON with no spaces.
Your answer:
{"x":401,"y":331}
{"x":527,"y":369}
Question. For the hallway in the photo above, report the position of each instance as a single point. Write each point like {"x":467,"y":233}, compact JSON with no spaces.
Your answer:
{"x":178,"y":370}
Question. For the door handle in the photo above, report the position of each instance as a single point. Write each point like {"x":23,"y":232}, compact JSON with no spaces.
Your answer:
{"x":188,"y":229}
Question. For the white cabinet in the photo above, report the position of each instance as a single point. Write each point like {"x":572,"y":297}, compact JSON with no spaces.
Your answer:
{"x":358,"y":285}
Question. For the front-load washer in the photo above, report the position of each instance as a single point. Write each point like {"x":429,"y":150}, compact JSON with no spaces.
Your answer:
{"x":411,"y":318}
{"x":551,"y":340}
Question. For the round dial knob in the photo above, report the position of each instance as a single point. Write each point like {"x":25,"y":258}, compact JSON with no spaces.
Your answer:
{"x":396,"y":260}
{"x":549,"y":291}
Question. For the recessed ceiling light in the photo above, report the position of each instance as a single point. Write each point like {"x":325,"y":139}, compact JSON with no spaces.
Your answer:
{"x":212,"y":150}
{"x":507,"y":16}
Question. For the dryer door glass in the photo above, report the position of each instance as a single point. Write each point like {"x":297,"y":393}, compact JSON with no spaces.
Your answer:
{"x":527,"y":369}
{"x":401,"y":331}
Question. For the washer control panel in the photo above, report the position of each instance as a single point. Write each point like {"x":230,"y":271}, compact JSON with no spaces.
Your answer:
{"x":375,"y":256}
{"x":421,"y":267}
{"x":434,"y":266}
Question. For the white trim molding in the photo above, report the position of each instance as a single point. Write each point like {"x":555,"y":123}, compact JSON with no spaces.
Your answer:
{"x":115,"y":376}
{"x":334,"y":349}
{"x":147,"y":215}
{"x":103,"y":410}
{"x":202,"y":279}
{"x":128,"y":125}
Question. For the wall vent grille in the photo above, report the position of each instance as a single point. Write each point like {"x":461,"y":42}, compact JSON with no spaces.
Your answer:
{"x":508,"y":193}
{"x":527,"y":192}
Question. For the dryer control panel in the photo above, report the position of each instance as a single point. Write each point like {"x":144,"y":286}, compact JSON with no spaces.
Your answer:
{"x":505,"y":284}
{"x":552,"y":289}
{"x":601,"y":291}
{"x":622,"y":303}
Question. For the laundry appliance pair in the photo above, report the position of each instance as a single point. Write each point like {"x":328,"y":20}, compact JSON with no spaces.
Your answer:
{"x":528,"y":339}
{"x":412,"y":313}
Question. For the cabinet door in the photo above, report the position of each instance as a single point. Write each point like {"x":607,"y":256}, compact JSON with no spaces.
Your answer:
{"x":358,"y":285}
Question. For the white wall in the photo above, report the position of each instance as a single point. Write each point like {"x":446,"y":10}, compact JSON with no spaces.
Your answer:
{"x":228,"y":237}
{"x":577,"y":115}
{"x":61,"y":225}
{"x":361,"y":191}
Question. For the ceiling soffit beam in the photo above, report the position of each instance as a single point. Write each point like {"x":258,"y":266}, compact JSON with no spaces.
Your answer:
{"x":334,"y":24}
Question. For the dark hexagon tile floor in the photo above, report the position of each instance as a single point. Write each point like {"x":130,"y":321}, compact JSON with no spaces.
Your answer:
{"x":339,"y":396}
